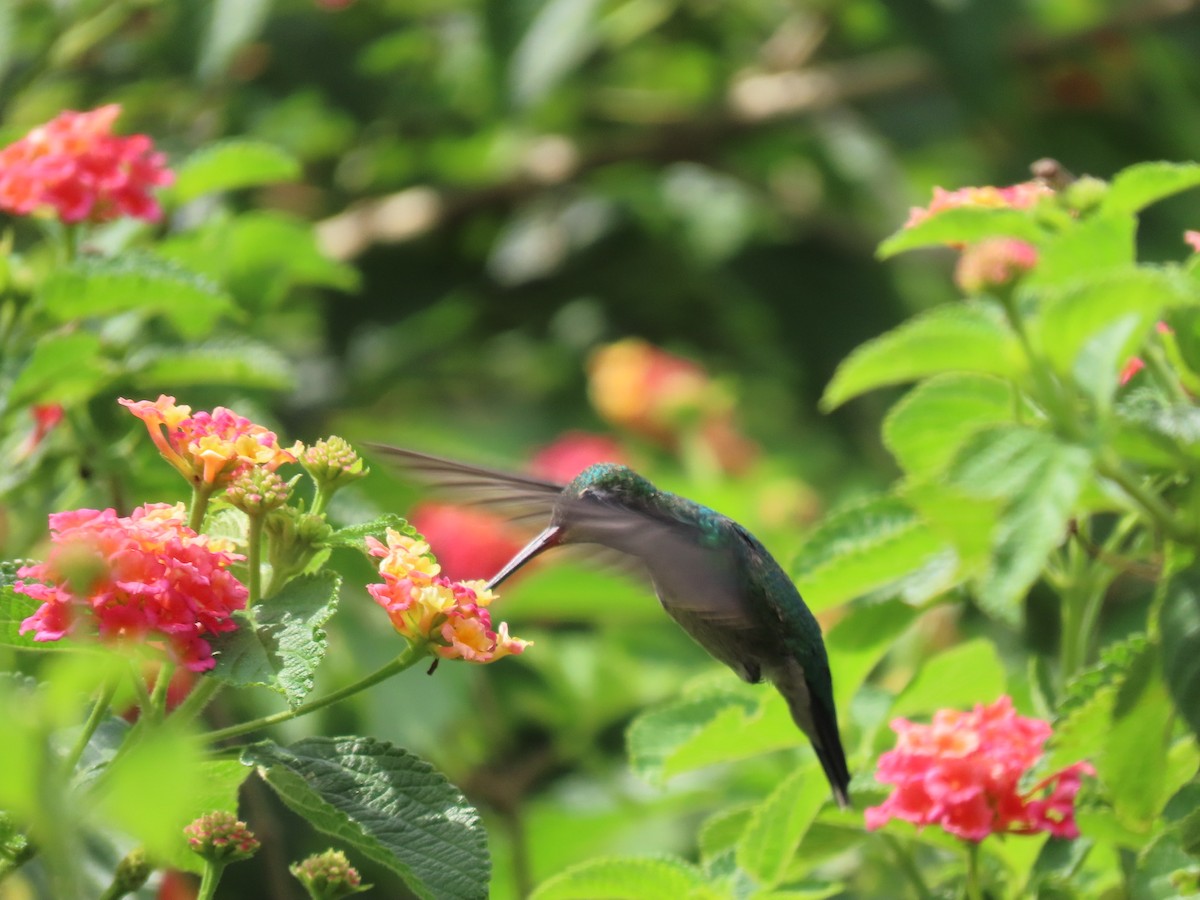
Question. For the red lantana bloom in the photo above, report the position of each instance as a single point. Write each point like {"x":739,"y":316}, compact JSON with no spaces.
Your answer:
{"x":77,"y":168}
{"x":572,"y":452}
{"x":963,"y":772}
{"x":144,"y":577}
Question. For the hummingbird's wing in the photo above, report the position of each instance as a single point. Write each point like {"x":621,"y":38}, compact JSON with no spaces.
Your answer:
{"x":520,"y":498}
{"x":524,"y":500}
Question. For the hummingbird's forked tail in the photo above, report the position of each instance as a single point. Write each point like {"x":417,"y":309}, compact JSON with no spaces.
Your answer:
{"x":819,"y":723}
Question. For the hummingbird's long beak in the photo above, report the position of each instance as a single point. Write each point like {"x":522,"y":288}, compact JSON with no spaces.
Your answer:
{"x":550,"y":537}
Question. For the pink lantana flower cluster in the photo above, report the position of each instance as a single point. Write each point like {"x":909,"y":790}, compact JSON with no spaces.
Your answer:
{"x":77,"y":168}
{"x":452,"y":616}
{"x":134,"y":578}
{"x":1015,"y":196}
{"x":208,"y":448}
{"x":963,"y":772}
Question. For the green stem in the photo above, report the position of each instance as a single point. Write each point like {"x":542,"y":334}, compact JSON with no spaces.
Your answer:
{"x":197,"y":700}
{"x":974,"y":891}
{"x":413,"y":654}
{"x":212,"y":876}
{"x":1110,"y":466}
{"x":321,"y":500}
{"x":99,"y":711}
{"x":254,"y":558}
{"x":905,"y":861}
{"x":200,"y":494}
{"x":158,"y":699}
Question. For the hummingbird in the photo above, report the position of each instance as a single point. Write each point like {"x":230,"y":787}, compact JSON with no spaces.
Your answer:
{"x":711,"y":575}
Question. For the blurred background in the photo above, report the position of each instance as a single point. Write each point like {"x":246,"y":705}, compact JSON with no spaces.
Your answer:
{"x":549,"y":232}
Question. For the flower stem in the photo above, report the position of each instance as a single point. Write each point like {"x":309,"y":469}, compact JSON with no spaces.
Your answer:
{"x":158,"y":699}
{"x":974,"y":891}
{"x":413,"y":654}
{"x":99,"y":711}
{"x":200,"y":494}
{"x":905,"y":861}
{"x":254,"y":558}
{"x":1152,"y":505}
{"x":212,"y":876}
{"x":196,"y":700}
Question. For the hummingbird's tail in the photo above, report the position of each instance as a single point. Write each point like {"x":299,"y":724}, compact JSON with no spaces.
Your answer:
{"x":819,"y":722}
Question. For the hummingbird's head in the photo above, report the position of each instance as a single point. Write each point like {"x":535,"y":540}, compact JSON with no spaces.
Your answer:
{"x":584,"y":512}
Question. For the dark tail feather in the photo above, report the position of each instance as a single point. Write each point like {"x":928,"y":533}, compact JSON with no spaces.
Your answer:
{"x":819,"y":722}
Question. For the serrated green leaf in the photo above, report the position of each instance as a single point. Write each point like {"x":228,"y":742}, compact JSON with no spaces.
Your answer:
{"x":627,"y":878}
{"x":354,"y":536}
{"x":386,"y":804}
{"x":723,"y":829}
{"x":1138,"y":186}
{"x":14,"y":609}
{"x":269,"y":253}
{"x":1088,"y":331}
{"x":1092,"y":246}
{"x":1039,"y":479}
{"x":283,"y":648}
{"x":1164,"y":871}
{"x":870,"y":546}
{"x":777,"y":825}
{"x":963,"y":225}
{"x":859,"y":641}
{"x":959,"y":677}
{"x":1181,"y":644}
{"x":654,"y":736}
{"x":244,"y":364}
{"x":1132,"y":763}
{"x":736,"y":732}
{"x":928,"y":425}
{"x":230,"y":165}
{"x":965,"y":522}
{"x":1084,"y":713}
{"x":64,"y":368}
{"x":969,"y":338}
{"x":104,"y":286}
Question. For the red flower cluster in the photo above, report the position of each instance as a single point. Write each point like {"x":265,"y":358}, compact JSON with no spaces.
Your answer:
{"x":426,"y":606}
{"x":963,"y":772}
{"x":209,"y":448}
{"x":77,"y":167}
{"x":134,"y":576}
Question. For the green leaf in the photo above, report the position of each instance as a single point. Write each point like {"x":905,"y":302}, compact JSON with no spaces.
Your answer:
{"x":216,"y":788}
{"x":105,"y":286}
{"x":1181,"y":644}
{"x":559,"y":37}
{"x":969,"y":338}
{"x":1095,"y":245}
{"x":778,"y":824}
{"x":654,"y":736}
{"x":723,"y":829}
{"x":1164,"y":871}
{"x":63,"y":368}
{"x":244,"y":364}
{"x":230,"y":165}
{"x":628,"y":878}
{"x":386,"y":804}
{"x":1140,"y":185}
{"x":870,"y":546}
{"x":286,"y":643}
{"x":959,"y":677}
{"x":1132,"y":761}
{"x":859,"y":641}
{"x":736,"y":732}
{"x":14,"y":609}
{"x":1090,"y":330}
{"x":963,"y":225}
{"x":354,"y":537}
{"x":1039,"y":479}
{"x":929,"y":424}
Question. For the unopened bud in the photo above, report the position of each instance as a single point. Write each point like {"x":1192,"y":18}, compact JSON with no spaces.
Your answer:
{"x":257,"y":491}
{"x":328,"y":876}
{"x":220,"y":837}
{"x":332,"y":463}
